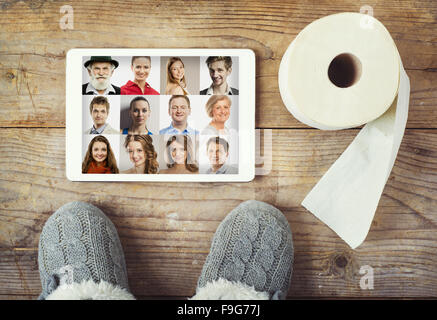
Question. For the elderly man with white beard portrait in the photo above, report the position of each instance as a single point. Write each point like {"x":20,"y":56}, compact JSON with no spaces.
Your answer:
{"x":100,"y":70}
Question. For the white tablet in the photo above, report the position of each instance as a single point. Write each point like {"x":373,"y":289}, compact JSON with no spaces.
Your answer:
{"x":160,"y":115}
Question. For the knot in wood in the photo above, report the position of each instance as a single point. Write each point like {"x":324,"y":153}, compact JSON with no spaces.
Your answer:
{"x":10,"y":75}
{"x":341,"y":261}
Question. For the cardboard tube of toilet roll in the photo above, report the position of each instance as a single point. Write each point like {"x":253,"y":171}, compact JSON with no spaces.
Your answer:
{"x":341,"y":73}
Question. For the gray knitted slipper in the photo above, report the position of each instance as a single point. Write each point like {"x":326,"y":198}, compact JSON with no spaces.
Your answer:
{"x":251,"y":255}
{"x":80,"y":256}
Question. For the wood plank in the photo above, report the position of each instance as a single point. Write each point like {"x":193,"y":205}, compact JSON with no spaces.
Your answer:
{"x":166,"y":229}
{"x":317,"y":273}
{"x":33,"y":48}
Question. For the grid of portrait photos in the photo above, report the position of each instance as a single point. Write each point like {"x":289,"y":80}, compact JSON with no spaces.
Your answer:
{"x":160,"y":115}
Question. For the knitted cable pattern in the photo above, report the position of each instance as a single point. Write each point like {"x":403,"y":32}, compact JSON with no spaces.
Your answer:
{"x":79,"y":242}
{"x":253,"y":245}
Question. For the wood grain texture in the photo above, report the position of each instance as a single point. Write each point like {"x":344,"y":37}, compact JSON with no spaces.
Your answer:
{"x":166,"y":229}
{"x":33,"y":47}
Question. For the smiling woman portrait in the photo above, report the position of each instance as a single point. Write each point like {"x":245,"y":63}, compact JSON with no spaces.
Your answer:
{"x":218,"y":108}
{"x":141,"y":67}
{"x":180,"y":156}
{"x":176,"y":82}
{"x":142,"y":154}
{"x":99,"y":157}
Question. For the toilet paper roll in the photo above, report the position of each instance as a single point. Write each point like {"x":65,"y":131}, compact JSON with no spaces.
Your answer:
{"x":343,"y":71}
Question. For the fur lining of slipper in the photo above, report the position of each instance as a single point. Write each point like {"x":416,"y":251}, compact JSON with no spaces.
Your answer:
{"x":89,"y":290}
{"x":223,"y":289}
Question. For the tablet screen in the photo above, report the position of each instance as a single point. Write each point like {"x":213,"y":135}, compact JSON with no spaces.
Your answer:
{"x":146,"y":115}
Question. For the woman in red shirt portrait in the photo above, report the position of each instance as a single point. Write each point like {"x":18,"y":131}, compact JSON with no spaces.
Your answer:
{"x":99,"y":157}
{"x":141,"y":67}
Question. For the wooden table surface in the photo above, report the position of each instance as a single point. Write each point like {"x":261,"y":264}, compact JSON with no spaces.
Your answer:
{"x":166,"y":228}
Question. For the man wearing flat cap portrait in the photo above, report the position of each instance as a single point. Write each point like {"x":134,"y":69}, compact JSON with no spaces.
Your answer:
{"x":100,"y":70}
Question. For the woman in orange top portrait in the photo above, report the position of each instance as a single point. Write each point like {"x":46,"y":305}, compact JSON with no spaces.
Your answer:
{"x":99,"y":157}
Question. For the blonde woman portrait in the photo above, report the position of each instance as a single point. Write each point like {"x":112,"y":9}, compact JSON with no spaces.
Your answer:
{"x":176,"y":82}
{"x":218,"y":108}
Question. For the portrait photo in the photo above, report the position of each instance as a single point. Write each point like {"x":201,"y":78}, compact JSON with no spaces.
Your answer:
{"x":139,"y":114}
{"x":139,"y":154}
{"x":218,"y":154}
{"x":138,"y":75}
{"x":178,"y":114}
{"x":101,"y":114}
{"x":219,"y":75}
{"x":100,"y":153}
{"x":217,"y":115}
{"x":97,"y":75}
{"x":178,"y":154}
{"x":180,"y":75}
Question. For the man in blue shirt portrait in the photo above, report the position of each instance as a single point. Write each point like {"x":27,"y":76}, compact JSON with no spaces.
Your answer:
{"x":179,"y":109}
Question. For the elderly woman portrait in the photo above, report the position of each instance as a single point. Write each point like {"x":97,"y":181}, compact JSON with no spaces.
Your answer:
{"x":176,"y":82}
{"x":141,"y":67}
{"x":142,"y":154}
{"x":139,"y":113}
{"x":99,"y":157}
{"x":180,"y":156}
{"x":218,"y":108}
